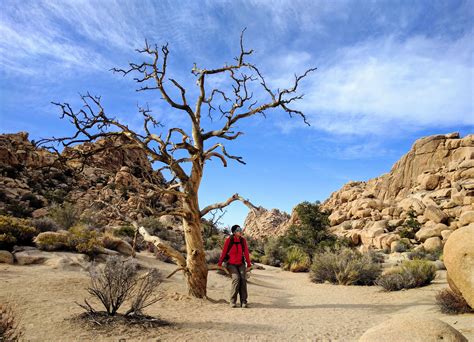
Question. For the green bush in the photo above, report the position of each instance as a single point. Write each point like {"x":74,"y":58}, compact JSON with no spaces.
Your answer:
{"x":66,"y":215}
{"x":344,"y":267}
{"x":296,"y":260}
{"x":311,"y":230}
{"x":85,"y":240}
{"x":410,"y":226}
{"x":452,"y":303}
{"x":15,"y":231}
{"x":410,"y":274}
{"x":53,"y":241}
{"x":128,"y":231}
{"x":45,"y":224}
{"x":213,"y":242}
{"x":274,"y":253}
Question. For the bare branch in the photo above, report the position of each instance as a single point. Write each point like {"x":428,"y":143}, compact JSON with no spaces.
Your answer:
{"x":177,"y":257}
{"x":235,"y":197}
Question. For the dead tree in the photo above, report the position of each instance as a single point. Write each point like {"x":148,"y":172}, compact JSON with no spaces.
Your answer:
{"x":193,"y":144}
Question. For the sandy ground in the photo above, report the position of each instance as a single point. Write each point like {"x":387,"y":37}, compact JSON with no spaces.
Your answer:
{"x":284,"y":306}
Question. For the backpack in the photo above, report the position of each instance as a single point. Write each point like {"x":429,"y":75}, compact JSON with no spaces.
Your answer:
{"x":231,"y":243}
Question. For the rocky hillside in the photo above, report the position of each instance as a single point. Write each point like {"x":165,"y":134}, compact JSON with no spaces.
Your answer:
{"x":434,"y":181}
{"x":32,"y":181}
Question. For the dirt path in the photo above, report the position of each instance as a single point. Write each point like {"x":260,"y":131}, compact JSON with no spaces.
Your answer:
{"x":284,"y":306}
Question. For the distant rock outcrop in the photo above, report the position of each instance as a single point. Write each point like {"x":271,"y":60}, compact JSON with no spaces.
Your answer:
{"x":435,"y":180}
{"x":262,"y":223}
{"x":32,"y":180}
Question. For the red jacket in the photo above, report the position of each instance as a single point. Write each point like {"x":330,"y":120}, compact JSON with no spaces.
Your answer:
{"x":235,"y":253}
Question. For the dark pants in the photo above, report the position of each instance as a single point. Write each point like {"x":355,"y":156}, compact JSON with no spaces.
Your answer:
{"x":239,"y":283}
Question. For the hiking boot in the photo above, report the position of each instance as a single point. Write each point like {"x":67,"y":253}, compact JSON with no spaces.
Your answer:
{"x":233,"y":305}
{"x":245,"y":305}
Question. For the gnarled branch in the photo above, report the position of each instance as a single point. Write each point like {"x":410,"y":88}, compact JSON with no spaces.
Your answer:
{"x":235,"y":197}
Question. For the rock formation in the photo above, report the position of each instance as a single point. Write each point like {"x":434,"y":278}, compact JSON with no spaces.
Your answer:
{"x":434,"y":181}
{"x":32,"y":181}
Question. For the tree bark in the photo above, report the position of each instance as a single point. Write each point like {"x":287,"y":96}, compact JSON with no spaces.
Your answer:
{"x":196,"y":267}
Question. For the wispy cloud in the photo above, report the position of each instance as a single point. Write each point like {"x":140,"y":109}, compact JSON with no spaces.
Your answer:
{"x":416,"y":83}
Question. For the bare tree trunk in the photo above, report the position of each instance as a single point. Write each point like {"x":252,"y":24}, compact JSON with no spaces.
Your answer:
{"x":196,"y":266}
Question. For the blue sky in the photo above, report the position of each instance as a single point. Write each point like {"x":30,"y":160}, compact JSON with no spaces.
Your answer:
{"x":388,"y":73}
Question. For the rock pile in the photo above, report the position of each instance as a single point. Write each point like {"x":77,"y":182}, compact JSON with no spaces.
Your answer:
{"x":32,"y":181}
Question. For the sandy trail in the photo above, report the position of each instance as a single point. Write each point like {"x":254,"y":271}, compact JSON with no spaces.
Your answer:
{"x":284,"y":306}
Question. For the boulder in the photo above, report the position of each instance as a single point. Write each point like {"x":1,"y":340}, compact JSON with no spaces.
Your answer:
{"x":432,"y":244}
{"x":31,"y":256}
{"x":445,"y":234}
{"x":414,"y":328}
{"x":466,"y":218}
{"x":6,"y":257}
{"x":458,"y":255}
{"x":123,"y":247}
{"x":435,"y":214}
{"x":430,"y":231}
{"x":337,"y":217}
{"x":428,"y":181}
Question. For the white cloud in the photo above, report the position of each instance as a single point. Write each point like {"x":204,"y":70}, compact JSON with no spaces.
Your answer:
{"x":370,"y":87}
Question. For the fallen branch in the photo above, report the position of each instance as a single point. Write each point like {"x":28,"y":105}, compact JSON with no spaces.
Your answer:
{"x":161,"y":245}
{"x":217,"y":268}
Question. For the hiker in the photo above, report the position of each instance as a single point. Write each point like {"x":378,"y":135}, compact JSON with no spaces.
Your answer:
{"x":235,"y":254}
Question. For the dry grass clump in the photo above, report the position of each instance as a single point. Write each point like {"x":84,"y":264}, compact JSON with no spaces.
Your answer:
{"x":450,"y":302}
{"x":9,"y":325}
{"x":344,"y":266}
{"x":411,"y":274}
{"x":296,"y":260}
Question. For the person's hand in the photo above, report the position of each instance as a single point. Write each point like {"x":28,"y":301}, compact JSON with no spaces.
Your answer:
{"x":248,"y":269}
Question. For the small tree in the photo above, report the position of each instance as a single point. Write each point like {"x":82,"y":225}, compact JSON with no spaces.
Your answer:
{"x":193,"y":145}
{"x":311,"y":229}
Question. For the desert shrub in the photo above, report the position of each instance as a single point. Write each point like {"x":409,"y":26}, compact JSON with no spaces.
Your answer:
{"x":296,"y":260}
{"x":422,"y":254}
{"x":403,"y":245}
{"x":53,"y":241}
{"x":344,"y":267}
{"x":85,"y":240}
{"x":18,"y":209}
{"x":213,"y":242}
{"x":66,"y":215}
{"x":410,"y":226}
{"x":450,"y":302}
{"x":410,"y":274}
{"x":9,"y":325}
{"x":45,"y":224}
{"x":256,"y":256}
{"x":33,"y":201}
{"x":125,"y":231}
{"x":55,"y":196}
{"x":212,"y":256}
{"x":15,"y":231}
{"x":376,"y":256}
{"x":274,"y":253}
{"x":118,"y":281}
